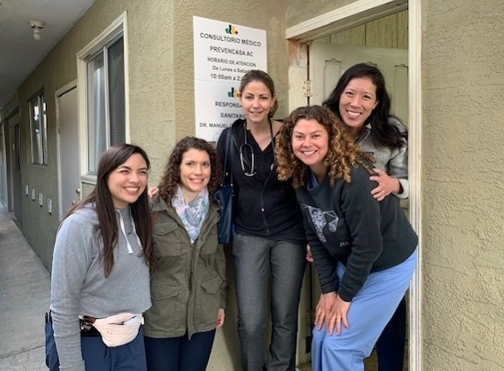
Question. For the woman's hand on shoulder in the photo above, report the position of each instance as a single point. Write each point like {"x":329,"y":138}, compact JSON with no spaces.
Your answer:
{"x":386,"y":184}
{"x":153,"y":192}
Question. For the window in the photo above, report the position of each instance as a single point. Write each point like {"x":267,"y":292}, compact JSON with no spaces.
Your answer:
{"x":38,"y":130}
{"x":106,"y":109}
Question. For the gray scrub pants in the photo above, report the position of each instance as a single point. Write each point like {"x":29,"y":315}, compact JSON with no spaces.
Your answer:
{"x":256,"y":259}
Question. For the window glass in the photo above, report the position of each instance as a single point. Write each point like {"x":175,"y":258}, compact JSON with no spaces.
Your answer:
{"x":38,"y":130}
{"x":105,"y":101}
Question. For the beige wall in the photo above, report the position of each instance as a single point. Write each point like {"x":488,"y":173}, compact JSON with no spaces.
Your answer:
{"x":301,"y":10}
{"x":462,"y":189}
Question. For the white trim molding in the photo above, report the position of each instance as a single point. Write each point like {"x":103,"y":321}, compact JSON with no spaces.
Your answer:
{"x":348,"y":16}
{"x":60,"y":92}
{"x":415,"y":178}
{"x":117,"y":27}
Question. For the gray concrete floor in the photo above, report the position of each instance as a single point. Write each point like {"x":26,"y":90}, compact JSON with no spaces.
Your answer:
{"x":24,"y":299}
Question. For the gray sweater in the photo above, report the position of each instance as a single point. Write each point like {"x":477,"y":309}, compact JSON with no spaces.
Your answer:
{"x":79,"y":285}
{"x":393,"y":161}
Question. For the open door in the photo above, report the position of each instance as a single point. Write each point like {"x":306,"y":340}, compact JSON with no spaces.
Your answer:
{"x":68,"y":149}
{"x":13,"y":145}
{"x":338,"y":20}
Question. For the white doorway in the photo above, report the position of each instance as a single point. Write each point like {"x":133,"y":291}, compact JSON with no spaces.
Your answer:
{"x":357,"y":13}
{"x":69,"y":181}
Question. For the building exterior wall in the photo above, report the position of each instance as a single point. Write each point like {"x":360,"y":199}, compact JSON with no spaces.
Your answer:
{"x":462,"y":187}
{"x":300,"y":10}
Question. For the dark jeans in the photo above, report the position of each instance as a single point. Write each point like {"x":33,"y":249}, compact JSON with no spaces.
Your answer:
{"x":127,"y":357}
{"x":256,"y":261}
{"x":390,"y":345}
{"x":179,"y":353}
{"x":97,"y":356}
{"x":52,"y":361}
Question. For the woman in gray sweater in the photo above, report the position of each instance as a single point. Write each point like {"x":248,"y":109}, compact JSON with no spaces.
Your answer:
{"x":100,"y":270}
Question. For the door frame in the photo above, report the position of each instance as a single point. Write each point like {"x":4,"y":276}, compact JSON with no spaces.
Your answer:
{"x":343,"y":18}
{"x":3,"y":176}
{"x":10,"y":160}
{"x":58,"y":94}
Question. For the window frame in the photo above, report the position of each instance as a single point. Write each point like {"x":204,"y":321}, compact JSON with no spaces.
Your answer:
{"x":105,"y":39}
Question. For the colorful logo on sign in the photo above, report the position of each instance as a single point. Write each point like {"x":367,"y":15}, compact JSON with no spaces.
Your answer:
{"x":231,"y":30}
{"x":233,"y":93}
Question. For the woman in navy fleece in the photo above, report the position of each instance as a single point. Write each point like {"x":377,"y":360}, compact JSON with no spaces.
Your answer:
{"x":364,"y":250}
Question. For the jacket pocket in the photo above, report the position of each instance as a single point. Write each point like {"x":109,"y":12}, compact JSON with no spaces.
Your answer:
{"x":166,"y":239}
{"x":167,"y":311}
{"x":207,"y":303}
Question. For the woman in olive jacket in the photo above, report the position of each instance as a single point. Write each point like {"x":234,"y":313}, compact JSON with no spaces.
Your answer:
{"x":188,"y":283}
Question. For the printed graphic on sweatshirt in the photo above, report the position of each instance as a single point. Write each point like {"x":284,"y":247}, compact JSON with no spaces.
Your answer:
{"x":320,"y":219}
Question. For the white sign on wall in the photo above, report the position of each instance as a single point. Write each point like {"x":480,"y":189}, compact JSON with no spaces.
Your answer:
{"x":223,"y":53}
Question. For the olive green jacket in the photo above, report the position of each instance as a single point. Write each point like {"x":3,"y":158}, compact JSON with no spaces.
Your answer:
{"x":188,"y":284}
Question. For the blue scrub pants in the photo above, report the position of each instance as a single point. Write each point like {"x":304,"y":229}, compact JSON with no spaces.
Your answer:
{"x":369,"y":313}
{"x":99,"y":357}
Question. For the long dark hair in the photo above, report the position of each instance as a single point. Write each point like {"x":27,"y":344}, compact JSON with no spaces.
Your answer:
{"x":171,"y":176}
{"x":101,"y":197}
{"x":383,"y":132}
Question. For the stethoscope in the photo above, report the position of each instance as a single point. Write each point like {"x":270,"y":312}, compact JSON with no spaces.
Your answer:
{"x":249,"y":147}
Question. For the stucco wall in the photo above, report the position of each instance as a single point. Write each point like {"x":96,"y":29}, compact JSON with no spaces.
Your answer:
{"x":462,"y":190}
{"x":301,"y":10}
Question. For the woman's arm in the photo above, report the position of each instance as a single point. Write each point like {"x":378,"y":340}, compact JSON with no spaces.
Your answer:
{"x":69,"y":269}
{"x":362,"y":216}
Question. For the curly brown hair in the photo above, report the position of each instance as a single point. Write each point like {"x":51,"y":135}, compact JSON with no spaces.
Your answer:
{"x":171,"y":176}
{"x":342,"y":153}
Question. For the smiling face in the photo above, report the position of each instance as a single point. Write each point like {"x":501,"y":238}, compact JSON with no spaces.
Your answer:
{"x":257,"y":101}
{"x":128,"y":181}
{"x":195,"y":172}
{"x":310,"y":144}
{"x":357,"y":103}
